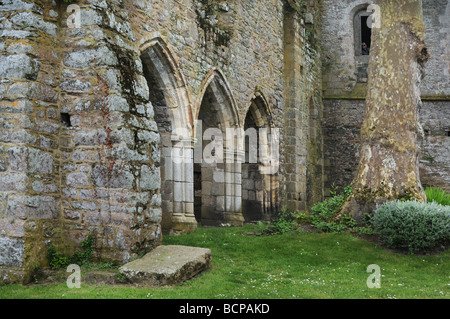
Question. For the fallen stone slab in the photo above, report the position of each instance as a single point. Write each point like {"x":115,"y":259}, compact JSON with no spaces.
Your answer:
{"x":167,"y":265}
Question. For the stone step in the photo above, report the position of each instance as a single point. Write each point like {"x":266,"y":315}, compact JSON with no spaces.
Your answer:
{"x":167,"y":265}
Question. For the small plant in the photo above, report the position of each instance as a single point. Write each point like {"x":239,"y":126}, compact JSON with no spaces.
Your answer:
{"x":322,"y":213}
{"x":282,"y":221}
{"x":57,"y":260}
{"x":437,"y":195}
{"x":87,"y":253}
{"x":302,"y":218}
{"x":412,"y":226}
{"x":263,"y":229}
{"x":121,"y":277}
{"x":428,"y":157}
{"x":368,"y":228}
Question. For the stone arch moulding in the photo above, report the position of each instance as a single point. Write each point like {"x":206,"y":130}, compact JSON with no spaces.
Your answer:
{"x":172,"y":79}
{"x":217,"y":82}
{"x":262,"y":113}
{"x":177,"y":199}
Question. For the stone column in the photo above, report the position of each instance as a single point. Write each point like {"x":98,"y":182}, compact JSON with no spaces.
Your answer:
{"x":180,"y":168}
{"x":233,"y":188}
{"x":294,"y":147}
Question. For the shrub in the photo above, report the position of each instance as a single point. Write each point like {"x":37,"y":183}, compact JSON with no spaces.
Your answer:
{"x":282,"y":221}
{"x":322,"y":213}
{"x":56,"y":260}
{"x":438,"y":195}
{"x":411,"y":225}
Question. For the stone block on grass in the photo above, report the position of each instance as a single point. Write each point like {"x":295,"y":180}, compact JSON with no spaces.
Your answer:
{"x":167,"y":265}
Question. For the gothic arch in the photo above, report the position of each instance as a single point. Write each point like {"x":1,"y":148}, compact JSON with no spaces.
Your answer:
{"x":159,"y":59}
{"x":217,"y":178}
{"x":173,"y":115}
{"x":260,"y":110}
{"x":216,"y":83}
{"x":259,"y":185}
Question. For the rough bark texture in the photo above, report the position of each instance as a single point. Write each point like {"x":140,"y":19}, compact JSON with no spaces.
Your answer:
{"x":391,"y":133}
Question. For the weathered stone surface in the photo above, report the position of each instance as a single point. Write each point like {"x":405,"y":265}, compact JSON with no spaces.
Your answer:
{"x":11,"y":5}
{"x":77,"y":179}
{"x":21,"y":106}
{"x":26,"y":159}
{"x":150,"y":178}
{"x":30,"y":19}
{"x":19,"y":66}
{"x":11,"y":251}
{"x":118,"y":177}
{"x":21,"y":136}
{"x":20,"y":34}
{"x":168,"y":265}
{"x":75,"y":85}
{"x":14,"y":182}
{"x":39,"y":207}
{"x":90,"y":58}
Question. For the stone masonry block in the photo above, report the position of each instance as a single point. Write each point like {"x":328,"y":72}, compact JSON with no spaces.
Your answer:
{"x":77,"y":179}
{"x":150,"y":178}
{"x":19,"y":66}
{"x":30,"y":19}
{"x":90,"y":57}
{"x":30,"y":160}
{"x":168,"y":265}
{"x":11,"y":251}
{"x":39,"y":207}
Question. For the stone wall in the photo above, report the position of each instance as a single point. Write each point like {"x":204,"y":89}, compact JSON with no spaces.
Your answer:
{"x":29,"y":139}
{"x":90,"y":97}
{"x":436,"y":82}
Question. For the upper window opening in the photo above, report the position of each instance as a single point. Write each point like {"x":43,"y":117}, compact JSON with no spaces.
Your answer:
{"x":362,"y":32}
{"x":366,"y":36}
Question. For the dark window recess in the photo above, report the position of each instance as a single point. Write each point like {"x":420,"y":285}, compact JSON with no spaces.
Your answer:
{"x":447,"y":133}
{"x":366,"y":32}
{"x":65,"y":119}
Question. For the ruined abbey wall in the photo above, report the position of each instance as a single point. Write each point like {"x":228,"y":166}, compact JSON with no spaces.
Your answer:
{"x":89,"y":106}
{"x":101,"y":100}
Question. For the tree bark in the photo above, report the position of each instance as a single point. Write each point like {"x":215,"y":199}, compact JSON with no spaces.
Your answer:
{"x":391,"y":132}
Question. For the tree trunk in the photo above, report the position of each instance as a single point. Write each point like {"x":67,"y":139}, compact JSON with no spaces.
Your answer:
{"x":391,"y":132}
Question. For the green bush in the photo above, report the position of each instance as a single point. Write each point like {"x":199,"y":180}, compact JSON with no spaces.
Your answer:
{"x":56,"y":260}
{"x":438,"y":195}
{"x":322,"y":213}
{"x":411,"y":225}
{"x":281,"y":221}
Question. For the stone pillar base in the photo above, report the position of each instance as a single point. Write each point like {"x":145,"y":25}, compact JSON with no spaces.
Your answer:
{"x":177,"y":225}
{"x":223,"y":219}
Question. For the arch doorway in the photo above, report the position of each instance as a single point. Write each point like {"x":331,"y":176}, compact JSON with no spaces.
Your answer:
{"x":217,"y":171}
{"x":172,"y":113}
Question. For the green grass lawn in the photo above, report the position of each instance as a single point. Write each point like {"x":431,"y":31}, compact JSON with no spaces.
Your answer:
{"x":298,"y":265}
